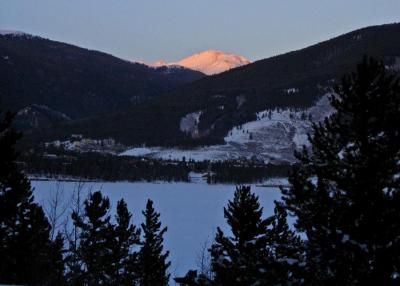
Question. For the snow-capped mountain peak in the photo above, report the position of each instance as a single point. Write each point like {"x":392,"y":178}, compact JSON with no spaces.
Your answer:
{"x":208,"y":62}
{"x":213,"y":61}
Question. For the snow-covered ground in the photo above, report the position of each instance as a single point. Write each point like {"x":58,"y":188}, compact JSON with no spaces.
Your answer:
{"x":272,"y":137}
{"x":191,"y":211}
{"x":189,"y":123}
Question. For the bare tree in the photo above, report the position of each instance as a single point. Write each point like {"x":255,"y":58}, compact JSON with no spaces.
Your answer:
{"x":72,"y":233}
{"x":203,"y":260}
{"x":75,"y":205}
{"x":56,"y":208}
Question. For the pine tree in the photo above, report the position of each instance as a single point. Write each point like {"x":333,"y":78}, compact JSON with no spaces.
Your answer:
{"x":286,"y":251}
{"x":240,"y":259}
{"x":125,"y":237}
{"x":345,"y":191}
{"x":262,"y":252}
{"x":95,"y":241}
{"x":57,"y":264}
{"x":24,"y":229}
{"x":151,"y":259}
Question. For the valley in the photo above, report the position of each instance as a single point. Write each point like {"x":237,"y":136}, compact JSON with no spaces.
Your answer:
{"x":260,"y":112}
{"x":294,"y":81}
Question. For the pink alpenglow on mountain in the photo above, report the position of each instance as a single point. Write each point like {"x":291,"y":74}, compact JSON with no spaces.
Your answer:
{"x":212,"y":62}
{"x":208,"y":62}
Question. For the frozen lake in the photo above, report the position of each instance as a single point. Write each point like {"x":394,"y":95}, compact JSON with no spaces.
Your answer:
{"x":190,"y":211}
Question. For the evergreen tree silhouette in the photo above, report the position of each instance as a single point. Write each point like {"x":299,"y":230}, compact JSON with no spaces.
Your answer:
{"x":57,"y":263}
{"x":261,"y":251}
{"x":286,"y":251}
{"x":95,"y":244}
{"x":345,"y":191}
{"x":124,"y":258}
{"x":24,"y":230}
{"x":240,"y":259}
{"x":151,"y":259}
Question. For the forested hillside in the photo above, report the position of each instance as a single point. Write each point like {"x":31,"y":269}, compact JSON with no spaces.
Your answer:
{"x":41,"y":79}
{"x":293,"y":80}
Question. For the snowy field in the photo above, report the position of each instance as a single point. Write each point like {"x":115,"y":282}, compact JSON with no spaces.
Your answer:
{"x":191,"y":211}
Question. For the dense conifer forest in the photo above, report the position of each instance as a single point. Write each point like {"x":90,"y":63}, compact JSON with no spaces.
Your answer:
{"x":96,"y":166}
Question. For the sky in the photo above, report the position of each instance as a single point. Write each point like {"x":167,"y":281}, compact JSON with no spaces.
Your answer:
{"x":151,"y":30}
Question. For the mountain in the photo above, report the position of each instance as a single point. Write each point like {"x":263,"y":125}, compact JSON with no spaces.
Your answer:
{"x":73,"y":81}
{"x":212,"y":62}
{"x":215,"y":110}
{"x":209,"y":62}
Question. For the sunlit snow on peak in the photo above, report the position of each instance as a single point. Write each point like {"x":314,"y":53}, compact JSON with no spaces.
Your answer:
{"x":208,"y":62}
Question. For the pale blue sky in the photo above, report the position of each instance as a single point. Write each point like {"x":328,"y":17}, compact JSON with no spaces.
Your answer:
{"x":171,"y":29}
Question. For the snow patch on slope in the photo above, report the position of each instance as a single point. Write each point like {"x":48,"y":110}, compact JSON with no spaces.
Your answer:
{"x":189,"y":123}
{"x":273,"y":137}
{"x":395,"y":66}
